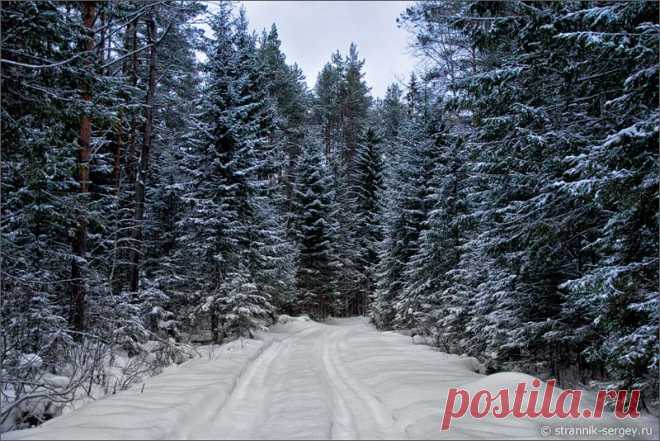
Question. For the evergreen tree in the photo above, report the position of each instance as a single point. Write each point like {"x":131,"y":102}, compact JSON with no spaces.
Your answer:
{"x":432,"y":300}
{"x":244,"y":306}
{"x":288,"y":91}
{"x":354,"y":101}
{"x":541,"y":273}
{"x":328,"y":89}
{"x":233,"y":167}
{"x":392,"y":116}
{"x":614,"y":297}
{"x":404,"y":214}
{"x":314,"y":230}
{"x":367,"y":199}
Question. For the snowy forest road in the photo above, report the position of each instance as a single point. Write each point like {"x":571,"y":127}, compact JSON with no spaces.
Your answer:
{"x":300,"y":380}
{"x":301,"y":387}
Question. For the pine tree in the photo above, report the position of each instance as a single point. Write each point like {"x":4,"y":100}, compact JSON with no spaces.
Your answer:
{"x":244,"y":307}
{"x":614,"y":297}
{"x":215,"y":231}
{"x":354,"y":101}
{"x":276,"y":259}
{"x":404,"y":214}
{"x":36,"y":139}
{"x":328,"y":89}
{"x":313,"y":224}
{"x":392,"y":115}
{"x":342,"y":113}
{"x":367,"y":200}
{"x":287,"y":90}
{"x":432,"y":301}
{"x":165,"y":288}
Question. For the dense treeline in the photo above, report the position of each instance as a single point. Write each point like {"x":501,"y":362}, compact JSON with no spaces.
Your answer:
{"x":160,"y":182}
{"x":168,"y":178}
{"x":521,"y":225}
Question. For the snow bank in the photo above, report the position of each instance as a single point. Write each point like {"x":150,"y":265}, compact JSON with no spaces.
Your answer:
{"x":164,"y":406}
{"x":284,"y":318}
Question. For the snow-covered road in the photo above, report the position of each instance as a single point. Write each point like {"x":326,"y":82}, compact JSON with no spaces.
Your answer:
{"x":300,"y":380}
{"x":302,"y":387}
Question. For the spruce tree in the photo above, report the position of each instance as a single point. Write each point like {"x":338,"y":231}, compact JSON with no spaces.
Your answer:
{"x":219,"y":229}
{"x":404,"y":214}
{"x":313,"y":222}
{"x":244,"y":307}
{"x":367,"y":194}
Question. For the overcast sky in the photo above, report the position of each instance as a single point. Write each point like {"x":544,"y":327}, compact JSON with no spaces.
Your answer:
{"x":311,"y":31}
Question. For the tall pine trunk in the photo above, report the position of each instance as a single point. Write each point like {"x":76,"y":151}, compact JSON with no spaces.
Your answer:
{"x":144,"y":158}
{"x":125,"y":152}
{"x":132,"y":43}
{"x":79,"y":245}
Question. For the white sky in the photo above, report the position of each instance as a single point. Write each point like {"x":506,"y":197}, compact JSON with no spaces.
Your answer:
{"x":311,"y":31}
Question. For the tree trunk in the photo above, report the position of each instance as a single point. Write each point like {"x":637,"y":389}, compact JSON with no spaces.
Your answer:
{"x":119,"y":128}
{"x":125,"y":152}
{"x":116,"y":166}
{"x":215,"y":335}
{"x":144,"y":158}
{"x":109,"y":16}
{"x":133,"y":66}
{"x":79,"y":245}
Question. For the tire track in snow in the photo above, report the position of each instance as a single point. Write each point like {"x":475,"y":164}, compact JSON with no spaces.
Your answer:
{"x":203,"y":422}
{"x":370,"y":419}
{"x":234,"y":417}
{"x":201,"y":416}
{"x":343,"y":424}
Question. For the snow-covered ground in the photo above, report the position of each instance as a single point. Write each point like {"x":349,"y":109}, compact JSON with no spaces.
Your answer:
{"x":300,"y":380}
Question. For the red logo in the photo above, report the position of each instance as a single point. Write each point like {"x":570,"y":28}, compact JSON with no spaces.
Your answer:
{"x":566,"y":405}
